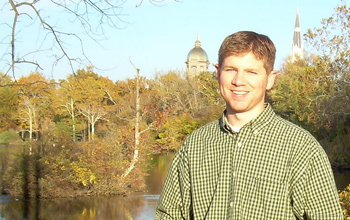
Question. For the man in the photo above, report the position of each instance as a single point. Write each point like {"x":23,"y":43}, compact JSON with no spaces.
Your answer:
{"x":249,"y":164}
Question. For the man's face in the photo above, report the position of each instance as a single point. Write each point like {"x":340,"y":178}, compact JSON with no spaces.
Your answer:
{"x":243,"y":82}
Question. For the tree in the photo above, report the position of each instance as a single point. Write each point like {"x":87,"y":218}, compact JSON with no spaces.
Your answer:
{"x":34,"y":102}
{"x":208,"y":87}
{"x":8,"y":103}
{"x":183,"y":106}
{"x":294,"y":99}
{"x":90,"y":98}
{"x":86,"y":17}
{"x":315,"y":92}
{"x":66,"y":101}
{"x":332,"y":43}
{"x":137,"y":127}
{"x":138,"y":131}
{"x":176,"y":92}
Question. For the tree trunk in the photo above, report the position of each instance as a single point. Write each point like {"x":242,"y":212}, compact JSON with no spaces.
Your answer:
{"x":92,"y":130}
{"x":137,"y":128}
{"x":73,"y":119}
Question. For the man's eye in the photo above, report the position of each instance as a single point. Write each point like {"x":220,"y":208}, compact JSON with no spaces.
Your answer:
{"x":229,"y":69}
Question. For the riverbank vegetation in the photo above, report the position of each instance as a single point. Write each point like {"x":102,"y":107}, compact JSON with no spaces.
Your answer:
{"x":64,"y":153}
{"x":77,"y":136}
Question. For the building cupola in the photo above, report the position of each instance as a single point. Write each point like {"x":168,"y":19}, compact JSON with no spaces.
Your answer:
{"x":197,"y":60}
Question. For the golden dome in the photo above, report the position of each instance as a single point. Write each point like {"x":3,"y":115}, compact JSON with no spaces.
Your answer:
{"x":197,"y":53}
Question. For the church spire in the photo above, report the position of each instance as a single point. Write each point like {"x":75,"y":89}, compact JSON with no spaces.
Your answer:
{"x":297,"y":45}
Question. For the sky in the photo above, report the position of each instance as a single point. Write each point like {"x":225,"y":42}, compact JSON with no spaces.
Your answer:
{"x":157,"y":38}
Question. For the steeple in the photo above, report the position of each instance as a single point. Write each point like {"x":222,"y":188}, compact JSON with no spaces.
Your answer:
{"x":297,"y":45}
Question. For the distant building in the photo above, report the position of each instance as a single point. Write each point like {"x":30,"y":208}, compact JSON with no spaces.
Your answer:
{"x":297,"y":45}
{"x":197,"y":60}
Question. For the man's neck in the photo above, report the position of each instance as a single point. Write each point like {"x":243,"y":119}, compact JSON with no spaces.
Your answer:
{"x":241,"y":119}
{"x":237,"y":119}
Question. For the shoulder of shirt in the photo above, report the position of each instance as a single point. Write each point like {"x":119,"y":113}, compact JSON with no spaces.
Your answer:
{"x":207,"y":127}
{"x":293,"y":127}
{"x":303,"y":135}
{"x":205,"y":131}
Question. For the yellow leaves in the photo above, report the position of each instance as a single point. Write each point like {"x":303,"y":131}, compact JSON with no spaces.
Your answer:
{"x":344,"y":197}
{"x":83,"y":175}
{"x":92,"y":178}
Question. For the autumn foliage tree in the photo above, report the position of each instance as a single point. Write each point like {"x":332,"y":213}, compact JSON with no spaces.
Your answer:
{"x":34,"y":103}
{"x":8,"y":103}
{"x":304,"y":105}
{"x":314,"y":92}
{"x":132,"y":117}
{"x":331,"y":41}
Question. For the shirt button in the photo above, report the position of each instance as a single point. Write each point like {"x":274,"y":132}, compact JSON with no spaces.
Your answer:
{"x":239,"y":144}
{"x":231,"y":204}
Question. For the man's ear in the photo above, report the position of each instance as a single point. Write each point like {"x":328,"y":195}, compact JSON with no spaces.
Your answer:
{"x":271,"y":79}
{"x":217,"y":68}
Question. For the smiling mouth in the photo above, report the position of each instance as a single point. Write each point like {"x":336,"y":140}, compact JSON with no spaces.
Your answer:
{"x":240,"y":93}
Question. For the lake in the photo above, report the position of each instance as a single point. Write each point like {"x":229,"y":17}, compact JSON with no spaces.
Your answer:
{"x":139,"y":206}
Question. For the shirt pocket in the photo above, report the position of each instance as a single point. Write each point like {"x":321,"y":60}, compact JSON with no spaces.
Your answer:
{"x":266,"y":199}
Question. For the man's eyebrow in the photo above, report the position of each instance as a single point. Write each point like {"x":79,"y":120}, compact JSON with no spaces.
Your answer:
{"x":246,"y":69}
{"x":251,"y":70}
{"x":230,"y":66}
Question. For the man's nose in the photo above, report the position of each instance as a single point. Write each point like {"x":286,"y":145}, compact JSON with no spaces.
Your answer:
{"x":239,"y":79}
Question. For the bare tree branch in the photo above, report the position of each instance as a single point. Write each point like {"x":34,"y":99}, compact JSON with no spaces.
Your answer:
{"x":92,"y":17}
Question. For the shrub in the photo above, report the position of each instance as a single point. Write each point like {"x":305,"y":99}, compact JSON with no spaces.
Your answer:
{"x":344,"y":197}
{"x":7,"y":137}
{"x":69,"y":171}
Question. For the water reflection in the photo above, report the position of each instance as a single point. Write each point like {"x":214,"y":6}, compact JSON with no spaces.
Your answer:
{"x":342,"y":178}
{"x":158,"y":169}
{"x":136,"y":207}
{"x":148,"y":211}
{"x":90,"y":208}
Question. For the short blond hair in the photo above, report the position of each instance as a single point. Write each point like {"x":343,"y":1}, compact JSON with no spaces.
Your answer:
{"x":243,"y":42}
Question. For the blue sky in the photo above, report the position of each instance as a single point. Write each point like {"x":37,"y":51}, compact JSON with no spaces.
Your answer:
{"x":158,"y":38}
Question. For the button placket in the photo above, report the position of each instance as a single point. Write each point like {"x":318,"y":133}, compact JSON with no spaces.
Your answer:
{"x":236,"y":163}
{"x":231,"y":203}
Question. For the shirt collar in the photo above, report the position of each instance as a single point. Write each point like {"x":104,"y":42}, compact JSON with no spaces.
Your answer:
{"x":256,"y":125}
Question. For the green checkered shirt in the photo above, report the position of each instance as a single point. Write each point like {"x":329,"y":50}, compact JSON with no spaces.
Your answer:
{"x":271,"y":169}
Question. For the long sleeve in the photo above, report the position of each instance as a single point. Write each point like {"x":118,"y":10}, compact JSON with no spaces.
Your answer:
{"x":175,"y":199}
{"x":315,"y":194}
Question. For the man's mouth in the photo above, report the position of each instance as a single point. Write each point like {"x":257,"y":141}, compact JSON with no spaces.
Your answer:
{"x":240,"y":93}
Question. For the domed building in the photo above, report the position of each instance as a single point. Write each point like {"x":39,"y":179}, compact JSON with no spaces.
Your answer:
{"x":197,"y":60}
